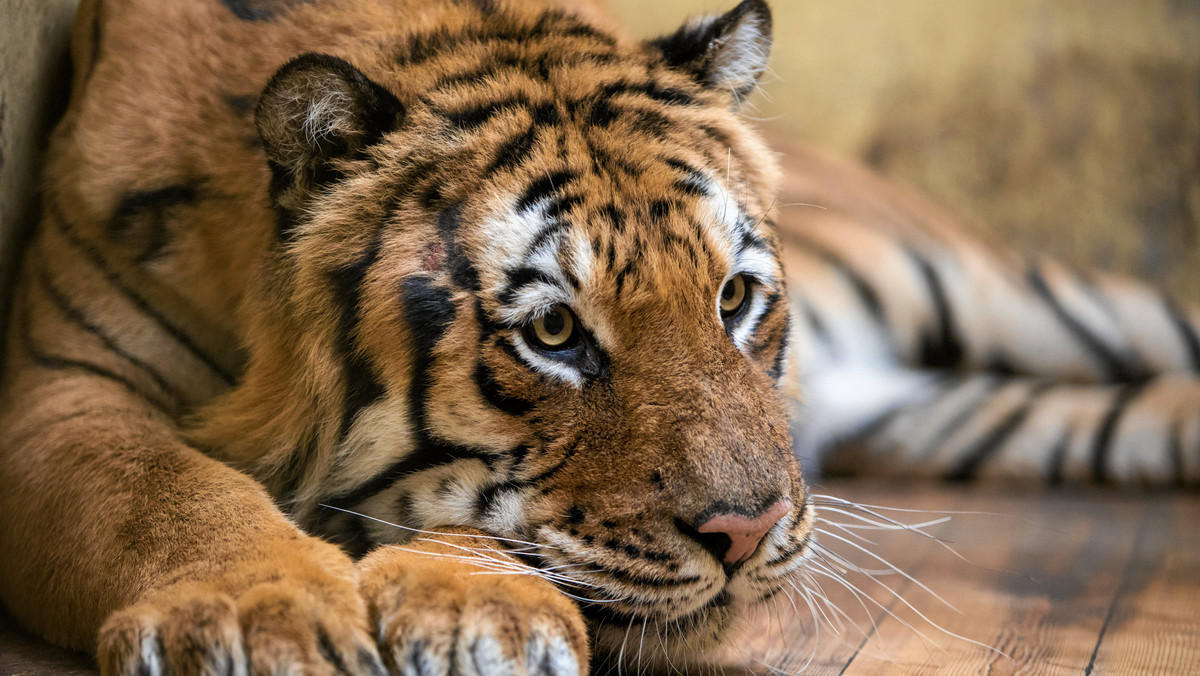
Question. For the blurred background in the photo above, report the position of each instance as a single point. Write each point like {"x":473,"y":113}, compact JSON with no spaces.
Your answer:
{"x":1066,"y":127}
{"x":1070,"y":127}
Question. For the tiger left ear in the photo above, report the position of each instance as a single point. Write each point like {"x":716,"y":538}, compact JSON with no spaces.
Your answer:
{"x":727,"y":52}
{"x":316,"y":110}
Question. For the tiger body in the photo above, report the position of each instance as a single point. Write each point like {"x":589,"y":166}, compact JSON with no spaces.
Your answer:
{"x":282,"y":298}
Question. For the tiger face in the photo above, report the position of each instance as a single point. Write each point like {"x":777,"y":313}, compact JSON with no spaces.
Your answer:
{"x":540,"y":293}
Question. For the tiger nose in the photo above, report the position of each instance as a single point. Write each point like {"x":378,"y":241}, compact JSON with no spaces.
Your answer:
{"x":744,"y":533}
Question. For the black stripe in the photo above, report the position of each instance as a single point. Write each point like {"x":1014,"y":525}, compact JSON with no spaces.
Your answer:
{"x":363,"y":386}
{"x":520,"y":278}
{"x":862,"y":288}
{"x":791,"y":552}
{"x":996,"y":437}
{"x":544,"y":187}
{"x":487,"y":497}
{"x":964,"y":415}
{"x":776,"y":370}
{"x":490,"y":388}
{"x":93,"y":254}
{"x":427,"y":456}
{"x":623,"y":272}
{"x":670,"y":96}
{"x":1056,"y":463}
{"x":942,"y":348}
{"x":57,"y":363}
{"x":500,"y":27}
{"x":142,"y":215}
{"x":563,"y":206}
{"x":514,"y":151}
{"x":260,"y":10}
{"x":571,"y":449}
{"x":470,"y":119}
{"x":329,"y":652}
{"x":76,"y":316}
{"x":462,"y":271}
{"x":1113,"y":366}
{"x":1175,"y":451}
{"x":605,"y":614}
{"x":1102,"y":444}
{"x":429,"y":311}
{"x":815,"y":321}
{"x":1187,"y":332}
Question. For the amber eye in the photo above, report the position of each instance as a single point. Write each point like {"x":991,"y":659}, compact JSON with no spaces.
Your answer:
{"x":554,"y":330}
{"x":733,"y":296}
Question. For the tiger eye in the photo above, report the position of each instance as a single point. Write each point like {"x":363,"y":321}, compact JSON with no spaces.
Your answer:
{"x":733,"y":295}
{"x":555,"y":329}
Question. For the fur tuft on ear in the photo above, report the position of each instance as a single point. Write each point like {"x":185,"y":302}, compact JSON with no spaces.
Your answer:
{"x":723,"y":52}
{"x":315,"y":110}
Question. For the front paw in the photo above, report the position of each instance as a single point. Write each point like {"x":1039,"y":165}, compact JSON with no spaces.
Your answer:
{"x":435,"y":613}
{"x":295,"y":612}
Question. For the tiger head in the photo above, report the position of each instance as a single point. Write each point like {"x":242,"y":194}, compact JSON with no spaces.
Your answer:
{"x":525,"y":279}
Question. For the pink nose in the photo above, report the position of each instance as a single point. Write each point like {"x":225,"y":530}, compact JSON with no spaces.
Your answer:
{"x":745,"y":533}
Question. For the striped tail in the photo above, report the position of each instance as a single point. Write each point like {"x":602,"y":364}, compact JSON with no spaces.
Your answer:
{"x":922,"y":351}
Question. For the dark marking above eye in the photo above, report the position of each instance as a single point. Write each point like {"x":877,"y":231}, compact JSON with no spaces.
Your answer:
{"x":563,"y":205}
{"x":544,"y":187}
{"x":520,"y":278}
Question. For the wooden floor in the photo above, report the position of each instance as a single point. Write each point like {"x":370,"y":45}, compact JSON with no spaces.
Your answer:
{"x":1041,"y":583}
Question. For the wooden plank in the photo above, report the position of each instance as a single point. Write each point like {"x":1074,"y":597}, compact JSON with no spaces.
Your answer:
{"x":1036,"y":595}
{"x":1153,"y":625}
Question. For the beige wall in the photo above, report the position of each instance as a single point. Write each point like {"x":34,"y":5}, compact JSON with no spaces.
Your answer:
{"x":1065,"y":126}
{"x":34,"y":74}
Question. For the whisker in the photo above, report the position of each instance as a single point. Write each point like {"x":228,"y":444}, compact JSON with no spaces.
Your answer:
{"x":890,"y":565}
{"x":432,"y":532}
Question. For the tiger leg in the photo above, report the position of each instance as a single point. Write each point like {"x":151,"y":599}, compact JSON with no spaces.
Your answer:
{"x":111,"y":527}
{"x":455,"y":603}
{"x":962,"y":427}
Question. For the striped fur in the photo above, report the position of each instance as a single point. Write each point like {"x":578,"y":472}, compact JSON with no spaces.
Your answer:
{"x":922,"y":351}
{"x":284,"y":295}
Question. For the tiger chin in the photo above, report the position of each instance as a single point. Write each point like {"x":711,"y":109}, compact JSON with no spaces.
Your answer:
{"x":411,"y":337}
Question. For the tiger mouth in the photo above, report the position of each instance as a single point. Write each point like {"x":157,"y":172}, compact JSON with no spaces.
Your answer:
{"x":613,"y":596}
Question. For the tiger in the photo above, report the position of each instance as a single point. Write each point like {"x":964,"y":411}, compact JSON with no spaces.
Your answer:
{"x":469,"y":336}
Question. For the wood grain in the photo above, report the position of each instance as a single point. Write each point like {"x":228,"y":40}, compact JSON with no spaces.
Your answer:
{"x":1069,"y":582}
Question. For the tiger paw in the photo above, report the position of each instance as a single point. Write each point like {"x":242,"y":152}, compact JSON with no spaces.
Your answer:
{"x":435,"y":613}
{"x":305,"y":616}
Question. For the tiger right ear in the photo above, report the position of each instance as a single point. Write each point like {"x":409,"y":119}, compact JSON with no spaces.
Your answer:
{"x":318,"y":109}
{"x":727,"y":52}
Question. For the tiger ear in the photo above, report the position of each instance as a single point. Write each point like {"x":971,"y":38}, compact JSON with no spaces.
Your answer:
{"x":727,"y":52}
{"x":315,"y":110}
